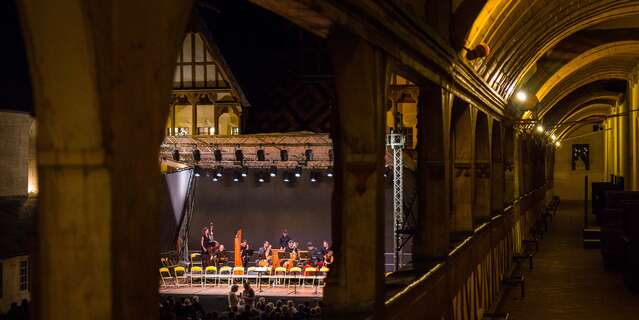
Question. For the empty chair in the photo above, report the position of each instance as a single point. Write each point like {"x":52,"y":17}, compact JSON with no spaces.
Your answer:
{"x":196,"y":273}
{"x":196,"y":259}
{"x":323,"y":272}
{"x":210,"y":272}
{"x":224,"y":273}
{"x":238,"y":274}
{"x":294,"y":274}
{"x":251,"y":274}
{"x":180,"y":273}
{"x":311,"y":273}
{"x":279,"y":277}
{"x":166,"y":276}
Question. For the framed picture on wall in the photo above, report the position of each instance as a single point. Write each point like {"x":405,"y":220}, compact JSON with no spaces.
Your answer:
{"x":580,"y":152}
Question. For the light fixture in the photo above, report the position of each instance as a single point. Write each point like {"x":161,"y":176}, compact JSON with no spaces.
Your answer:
{"x":273,"y":171}
{"x":558,"y":144}
{"x":540,"y":128}
{"x":286,"y":177}
{"x":283,"y":155}
{"x":236,"y":176}
{"x":298,"y":172}
{"x":260,"y":155}
{"x":314,"y":177}
{"x":218,"y":155}
{"x":553,"y":137}
{"x":521,"y":96}
{"x":329,"y":173}
{"x":216,"y":179}
{"x":196,"y":169}
{"x":260,"y":177}
{"x":219,"y":172}
{"x":244,"y":172}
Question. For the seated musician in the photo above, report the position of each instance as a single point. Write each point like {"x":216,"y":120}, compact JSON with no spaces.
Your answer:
{"x":210,"y":248}
{"x":265,"y":256}
{"x":293,"y":255}
{"x":245,"y":252}
{"x":328,"y":258}
{"x":315,"y":254}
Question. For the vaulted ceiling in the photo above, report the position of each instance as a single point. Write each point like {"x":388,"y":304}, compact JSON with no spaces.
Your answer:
{"x":573,"y":57}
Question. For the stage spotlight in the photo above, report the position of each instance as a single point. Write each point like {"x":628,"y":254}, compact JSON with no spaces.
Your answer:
{"x":239,"y":155}
{"x":244,"y":172}
{"x":330,"y":154}
{"x":218,"y":155}
{"x":540,"y":128}
{"x":196,"y":169}
{"x":176,"y":155}
{"x":329,"y":173}
{"x":386,"y":172}
{"x":286,"y":177}
{"x":236,"y":176}
{"x":314,"y":176}
{"x":196,"y":155}
{"x":558,"y":144}
{"x":283,"y":155}
{"x":219,"y":171}
{"x":216,"y":179}
{"x":553,"y":137}
{"x":273,"y":172}
{"x":260,"y":177}
{"x":260,"y":155}
{"x":298,"y":172}
{"x":308,"y":154}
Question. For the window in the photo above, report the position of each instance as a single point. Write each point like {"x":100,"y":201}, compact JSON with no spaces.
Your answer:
{"x":24,"y":275}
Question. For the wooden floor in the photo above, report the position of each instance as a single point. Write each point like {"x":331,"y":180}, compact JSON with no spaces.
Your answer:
{"x":568,"y":281}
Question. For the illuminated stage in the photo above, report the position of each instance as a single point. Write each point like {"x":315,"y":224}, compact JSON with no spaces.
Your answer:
{"x":283,"y":293}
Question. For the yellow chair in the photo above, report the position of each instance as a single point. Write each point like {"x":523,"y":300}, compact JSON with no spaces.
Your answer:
{"x":279,"y":277}
{"x":197,"y":273}
{"x":294,"y":272}
{"x":323,"y":272}
{"x":180,"y":273}
{"x":165,"y":275}
{"x":309,"y":272}
{"x":196,"y":259}
{"x":210,"y":272}
{"x":251,"y":274}
{"x":224,"y":272}
{"x":238,"y":273}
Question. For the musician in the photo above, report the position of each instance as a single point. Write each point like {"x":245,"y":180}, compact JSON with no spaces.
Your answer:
{"x":265,"y":254}
{"x":325,"y":248}
{"x":315,"y":254}
{"x":284,"y":239}
{"x":290,"y":247}
{"x":293,"y":255}
{"x":328,"y":258}
{"x":206,"y":241}
{"x":245,"y":252}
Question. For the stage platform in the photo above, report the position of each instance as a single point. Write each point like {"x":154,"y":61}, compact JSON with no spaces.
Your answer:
{"x":283,"y":293}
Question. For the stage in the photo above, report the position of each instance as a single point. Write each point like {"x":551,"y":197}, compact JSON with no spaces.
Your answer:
{"x":272,"y":293}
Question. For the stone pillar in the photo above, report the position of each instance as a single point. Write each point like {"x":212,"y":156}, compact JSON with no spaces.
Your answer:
{"x":99,"y":70}
{"x":355,"y":285}
{"x":433,"y":175}
{"x":462,"y":171}
{"x":497,"y":168}
{"x":482,"y":172}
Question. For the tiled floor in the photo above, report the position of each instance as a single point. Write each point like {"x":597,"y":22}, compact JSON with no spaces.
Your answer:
{"x":568,"y":282}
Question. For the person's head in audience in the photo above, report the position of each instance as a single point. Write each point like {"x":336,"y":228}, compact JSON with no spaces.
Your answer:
{"x":247,"y":285}
{"x":234,"y":288}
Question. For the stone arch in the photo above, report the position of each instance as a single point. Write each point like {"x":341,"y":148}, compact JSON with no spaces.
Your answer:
{"x":461,"y":155}
{"x":99,"y":120}
{"x":482,"y":185}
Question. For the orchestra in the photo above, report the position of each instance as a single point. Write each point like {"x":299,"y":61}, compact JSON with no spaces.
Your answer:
{"x":288,"y":255}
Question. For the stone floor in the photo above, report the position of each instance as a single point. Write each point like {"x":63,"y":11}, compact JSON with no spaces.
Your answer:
{"x":568,"y":282}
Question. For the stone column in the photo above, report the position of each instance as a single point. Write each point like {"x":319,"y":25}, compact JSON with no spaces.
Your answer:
{"x":462,"y":171}
{"x":99,"y":70}
{"x":433,"y":175}
{"x":355,"y":285}
{"x":497,"y":168}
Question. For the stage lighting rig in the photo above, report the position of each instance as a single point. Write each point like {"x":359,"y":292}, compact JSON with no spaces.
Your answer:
{"x":308,"y":154}
{"x":237,"y":177}
{"x":196,"y":169}
{"x":260,"y":177}
{"x":298,"y":172}
{"x":329,"y":173}
{"x":286,"y":177}
{"x":218,"y":155}
{"x":273,"y":171}
{"x":197,"y":156}
{"x":283,"y":155}
{"x":219,"y":171}
{"x":315,"y":176}
{"x":244,"y":172}
{"x":260,"y":155}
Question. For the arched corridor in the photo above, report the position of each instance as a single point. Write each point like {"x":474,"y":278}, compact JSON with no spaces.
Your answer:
{"x":435,"y":149}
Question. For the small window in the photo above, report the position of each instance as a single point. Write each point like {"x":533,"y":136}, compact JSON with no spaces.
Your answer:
{"x":24,"y":275}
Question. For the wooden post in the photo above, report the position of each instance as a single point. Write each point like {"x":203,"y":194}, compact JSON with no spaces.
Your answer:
{"x":355,"y":284}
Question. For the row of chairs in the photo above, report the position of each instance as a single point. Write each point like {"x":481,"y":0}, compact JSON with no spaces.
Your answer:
{"x":278,"y":277}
